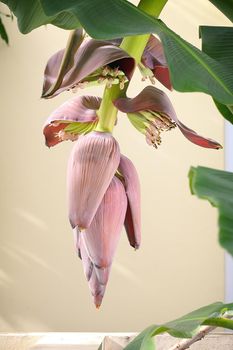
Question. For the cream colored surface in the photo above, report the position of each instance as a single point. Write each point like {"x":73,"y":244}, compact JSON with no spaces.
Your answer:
{"x":114,"y":341}
{"x":180,"y":264}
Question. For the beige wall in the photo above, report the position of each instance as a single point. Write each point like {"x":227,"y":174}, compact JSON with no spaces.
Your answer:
{"x":179,"y":266}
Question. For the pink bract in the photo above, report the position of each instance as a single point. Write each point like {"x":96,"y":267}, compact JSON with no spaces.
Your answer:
{"x":93,"y":162}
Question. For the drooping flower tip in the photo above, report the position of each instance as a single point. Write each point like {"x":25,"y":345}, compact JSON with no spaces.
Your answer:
{"x":97,"y":290}
{"x":97,"y":304}
{"x":103,"y":272}
{"x":98,"y":154}
{"x":97,"y":299}
{"x":97,"y":244}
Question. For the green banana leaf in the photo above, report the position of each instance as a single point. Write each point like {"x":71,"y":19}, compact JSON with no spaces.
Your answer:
{"x":186,"y":326}
{"x":31,"y":15}
{"x":225,"y":6}
{"x":3,"y":33}
{"x":217,"y":42}
{"x":190,"y":68}
{"x":226,"y":112}
{"x":217,"y":187}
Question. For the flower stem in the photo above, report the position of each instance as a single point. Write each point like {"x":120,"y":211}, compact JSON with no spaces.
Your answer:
{"x":107,"y":111}
{"x":134,"y":46}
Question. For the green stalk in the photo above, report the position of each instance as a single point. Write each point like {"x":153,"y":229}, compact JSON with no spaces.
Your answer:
{"x":134,"y":46}
{"x":220,"y":322}
{"x":108,"y":112}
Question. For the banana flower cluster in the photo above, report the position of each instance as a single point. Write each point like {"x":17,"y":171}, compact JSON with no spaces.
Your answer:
{"x":103,"y":189}
{"x":103,"y":195}
{"x":103,"y":185}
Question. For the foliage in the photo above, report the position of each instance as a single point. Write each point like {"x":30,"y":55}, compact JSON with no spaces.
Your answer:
{"x":200,"y":72}
{"x":217,"y":42}
{"x":217,"y":187}
{"x":188,"y":69}
{"x":3,"y":32}
{"x":225,"y":6}
{"x":186,"y":326}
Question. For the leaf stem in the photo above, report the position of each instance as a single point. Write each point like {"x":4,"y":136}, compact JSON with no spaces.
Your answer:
{"x":186,"y":343}
{"x":225,"y":321}
{"x":134,"y":46}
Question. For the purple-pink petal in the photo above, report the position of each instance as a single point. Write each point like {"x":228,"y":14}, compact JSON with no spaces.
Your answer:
{"x":90,"y":56}
{"x":162,"y":74}
{"x":97,"y":289}
{"x":93,"y":162}
{"x":81,"y":109}
{"x":102,"y":236}
{"x":66,"y":62}
{"x":153,"y":99}
{"x":153,"y":58}
{"x":97,"y":244}
{"x":132,"y":189}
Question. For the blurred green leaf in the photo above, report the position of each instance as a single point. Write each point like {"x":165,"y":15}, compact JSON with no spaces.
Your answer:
{"x":102,"y":19}
{"x":186,"y":326}
{"x":190,"y":69}
{"x":143,"y":338}
{"x":217,"y":42}
{"x":225,"y":111}
{"x":31,"y":15}
{"x":217,"y":187}
{"x":225,"y":6}
{"x":3,"y":32}
{"x":194,"y":70}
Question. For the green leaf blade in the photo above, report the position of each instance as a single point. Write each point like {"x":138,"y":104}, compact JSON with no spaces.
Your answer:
{"x":31,"y":15}
{"x":142,"y":339}
{"x":106,"y":19}
{"x":220,"y":322}
{"x":186,"y":326}
{"x":217,"y":42}
{"x":225,"y":111}
{"x":217,"y":187}
{"x":193,"y":70}
{"x":225,"y":6}
{"x":3,"y":33}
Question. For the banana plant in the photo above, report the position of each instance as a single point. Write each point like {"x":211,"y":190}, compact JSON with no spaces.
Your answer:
{"x":89,"y":122}
{"x":103,"y":185}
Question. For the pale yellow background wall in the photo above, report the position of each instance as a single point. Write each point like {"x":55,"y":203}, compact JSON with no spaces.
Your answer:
{"x":179,"y":266}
